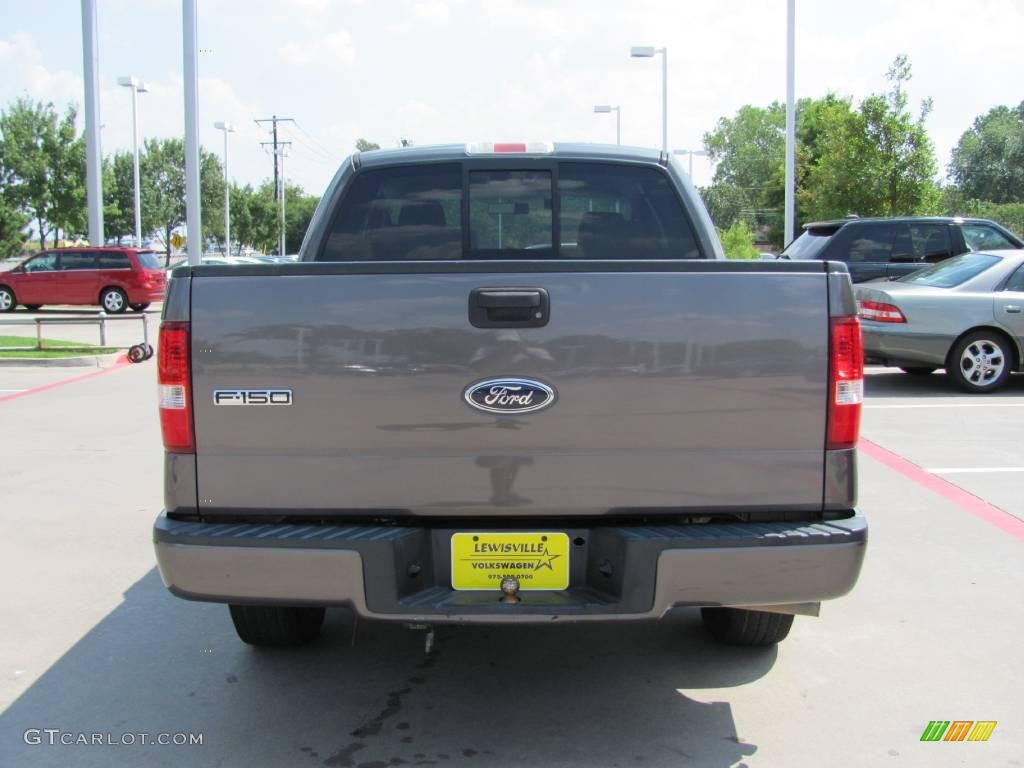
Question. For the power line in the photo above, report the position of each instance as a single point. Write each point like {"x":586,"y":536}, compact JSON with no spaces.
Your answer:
{"x":326,"y":150}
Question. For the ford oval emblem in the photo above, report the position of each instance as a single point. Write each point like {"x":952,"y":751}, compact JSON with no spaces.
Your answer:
{"x":509,"y":395}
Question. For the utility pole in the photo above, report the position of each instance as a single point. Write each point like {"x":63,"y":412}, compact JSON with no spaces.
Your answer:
{"x":274,"y":120}
{"x":279,"y":148}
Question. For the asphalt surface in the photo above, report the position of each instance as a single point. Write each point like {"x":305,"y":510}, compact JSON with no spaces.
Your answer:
{"x":93,"y":643}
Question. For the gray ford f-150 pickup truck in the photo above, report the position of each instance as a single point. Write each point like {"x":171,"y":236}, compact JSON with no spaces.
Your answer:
{"x":511,"y":383}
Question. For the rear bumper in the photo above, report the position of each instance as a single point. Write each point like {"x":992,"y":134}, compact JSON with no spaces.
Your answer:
{"x":615,"y":572}
{"x":892,"y":344}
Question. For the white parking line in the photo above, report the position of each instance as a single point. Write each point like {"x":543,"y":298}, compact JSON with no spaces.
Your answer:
{"x":12,"y":390}
{"x":894,"y":406}
{"x":957,"y":470}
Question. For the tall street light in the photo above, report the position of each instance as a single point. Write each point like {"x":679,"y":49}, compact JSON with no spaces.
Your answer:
{"x":227,"y":128}
{"x":691,"y":153}
{"x":618,"y":119}
{"x":647,"y":52}
{"x":137,"y":87}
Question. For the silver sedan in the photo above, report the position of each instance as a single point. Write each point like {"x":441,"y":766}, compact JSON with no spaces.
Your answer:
{"x":965,"y":314}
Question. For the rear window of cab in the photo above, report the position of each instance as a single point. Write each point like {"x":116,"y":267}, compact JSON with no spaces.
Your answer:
{"x":573,"y":210}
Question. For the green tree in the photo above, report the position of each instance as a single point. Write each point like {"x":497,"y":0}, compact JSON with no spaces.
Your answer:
{"x":725,"y":203}
{"x":876,"y":161}
{"x":119,"y":196}
{"x":13,"y":234}
{"x":738,"y":241}
{"x":988,"y":161}
{"x":162,"y":171}
{"x":365,"y":146}
{"x":255,"y":216}
{"x":299,"y":209}
{"x":43,"y":166}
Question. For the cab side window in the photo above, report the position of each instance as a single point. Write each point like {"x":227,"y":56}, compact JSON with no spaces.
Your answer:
{"x":46,"y":262}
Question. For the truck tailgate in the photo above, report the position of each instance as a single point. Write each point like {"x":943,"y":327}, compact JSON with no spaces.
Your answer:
{"x":679,"y":389}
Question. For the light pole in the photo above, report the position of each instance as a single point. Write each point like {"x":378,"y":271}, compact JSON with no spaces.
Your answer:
{"x":227,"y":128}
{"x":137,"y":87}
{"x":618,"y":119}
{"x":93,"y":154}
{"x":281,"y":243}
{"x":647,"y":52}
{"x":691,"y":153}
{"x":790,"y":194}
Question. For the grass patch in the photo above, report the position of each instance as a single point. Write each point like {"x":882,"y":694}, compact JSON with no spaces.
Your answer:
{"x":75,"y":348}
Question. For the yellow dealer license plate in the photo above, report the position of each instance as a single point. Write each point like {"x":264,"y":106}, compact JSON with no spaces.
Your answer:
{"x":538,"y":560}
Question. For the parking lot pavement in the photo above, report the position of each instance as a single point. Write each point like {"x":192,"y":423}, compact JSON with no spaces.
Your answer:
{"x":122,"y":330}
{"x":93,"y":642}
{"x":973,"y":441}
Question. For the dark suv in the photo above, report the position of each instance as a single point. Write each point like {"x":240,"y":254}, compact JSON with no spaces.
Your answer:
{"x":893,"y":247}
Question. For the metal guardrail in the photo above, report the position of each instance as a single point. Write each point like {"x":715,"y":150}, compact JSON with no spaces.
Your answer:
{"x":101,"y":319}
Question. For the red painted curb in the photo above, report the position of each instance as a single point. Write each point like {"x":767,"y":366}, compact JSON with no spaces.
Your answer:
{"x":967,"y":501}
{"x":120,"y":363}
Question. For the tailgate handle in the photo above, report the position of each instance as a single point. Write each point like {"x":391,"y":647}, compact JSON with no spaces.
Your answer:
{"x":509,"y":307}
{"x":521,"y":299}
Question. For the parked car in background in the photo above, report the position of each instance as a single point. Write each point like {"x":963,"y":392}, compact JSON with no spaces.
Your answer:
{"x":114,"y":278}
{"x":965,"y":314}
{"x":894,"y":247}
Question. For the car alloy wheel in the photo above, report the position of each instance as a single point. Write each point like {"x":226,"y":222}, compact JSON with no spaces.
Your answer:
{"x":980,"y":362}
{"x":114,"y":301}
{"x":6,"y":300}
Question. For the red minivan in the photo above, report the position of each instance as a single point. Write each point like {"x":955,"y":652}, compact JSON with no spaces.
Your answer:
{"x":114,"y":278}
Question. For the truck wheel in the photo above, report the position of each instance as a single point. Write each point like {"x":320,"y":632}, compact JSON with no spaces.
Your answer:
{"x":980,"y":362}
{"x":735,"y":626}
{"x":919,"y":370}
{"x":276,"y":625}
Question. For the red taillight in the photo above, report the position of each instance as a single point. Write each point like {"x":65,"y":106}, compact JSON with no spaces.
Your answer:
{"x":881,"y":312}
{"x":174,"y":376}
{"x":846,"y":387}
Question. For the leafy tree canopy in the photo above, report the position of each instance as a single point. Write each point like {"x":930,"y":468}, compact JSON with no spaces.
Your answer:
{"x":988,"y":161}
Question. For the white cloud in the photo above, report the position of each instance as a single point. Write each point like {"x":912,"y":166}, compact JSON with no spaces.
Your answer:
{"x":435,"y":11}
{"x":334,"y":48}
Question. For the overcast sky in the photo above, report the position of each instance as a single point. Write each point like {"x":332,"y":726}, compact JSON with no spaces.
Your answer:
{"x":456,"y":70}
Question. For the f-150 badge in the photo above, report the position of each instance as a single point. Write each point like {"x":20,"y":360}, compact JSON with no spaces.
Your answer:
{"x":252,"y":397}
{"x":509,"y":395}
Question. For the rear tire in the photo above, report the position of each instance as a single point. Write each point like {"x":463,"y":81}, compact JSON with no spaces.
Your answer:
{"x":276,"y":626}
{"x":919,"y":370}
{"x":7,"y":299}
{"x":735,"y":626}
{"x":113,"y":300}
{"x":981,"y":362}
{"x":33,"y":307}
